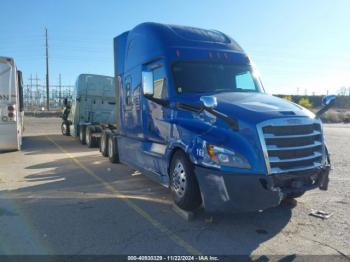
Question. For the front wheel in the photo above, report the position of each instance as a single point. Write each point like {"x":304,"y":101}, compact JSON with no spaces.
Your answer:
{"x":90,"y":140}
{"x":65,"y":129}
{"x":295,"y":195}
{"x":183,"y":183}
{"x":82,"y":135}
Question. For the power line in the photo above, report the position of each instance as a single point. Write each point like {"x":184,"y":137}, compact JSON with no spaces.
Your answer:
{"x":60,"y":91}
{"x":47,"y":73}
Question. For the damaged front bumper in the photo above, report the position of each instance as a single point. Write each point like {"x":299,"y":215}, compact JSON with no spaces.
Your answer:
{"x":232,"y":192}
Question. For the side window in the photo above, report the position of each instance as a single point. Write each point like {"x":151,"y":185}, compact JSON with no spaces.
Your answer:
{"x":128,"y":98}
{"x":245,"y":82}
{"x":159,"y":83}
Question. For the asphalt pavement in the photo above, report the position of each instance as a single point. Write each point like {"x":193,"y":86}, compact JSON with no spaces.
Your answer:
{"x":60,"y":197}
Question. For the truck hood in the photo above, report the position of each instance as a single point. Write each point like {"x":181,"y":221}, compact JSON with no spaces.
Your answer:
{"x":257,"y":107}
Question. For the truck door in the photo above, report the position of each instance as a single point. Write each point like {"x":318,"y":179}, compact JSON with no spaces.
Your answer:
{"x":156,"y":116}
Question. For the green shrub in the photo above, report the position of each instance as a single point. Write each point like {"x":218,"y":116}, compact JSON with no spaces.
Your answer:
{"x":289,"y":98}
{"x":305,"y":102}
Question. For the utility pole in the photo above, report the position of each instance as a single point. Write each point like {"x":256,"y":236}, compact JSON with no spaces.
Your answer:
{"x":59,"y":91}
{"x":31,"y":94}
{"x":47,"y":73}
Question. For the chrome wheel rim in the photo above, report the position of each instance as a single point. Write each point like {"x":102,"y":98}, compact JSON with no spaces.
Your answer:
{"x":179,"y":179}
{"x":87,"y":137}
{"x":64,"y":129}
{"x":110,"y":148}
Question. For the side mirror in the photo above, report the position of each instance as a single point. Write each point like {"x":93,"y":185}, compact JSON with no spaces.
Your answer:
{"x":147,"y":83}
{"x":326,"y":100}
{"x":209,"y":102}
{"x":327,"y":103}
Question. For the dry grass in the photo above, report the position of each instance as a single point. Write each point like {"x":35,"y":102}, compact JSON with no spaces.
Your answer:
{"x":336,"y":116}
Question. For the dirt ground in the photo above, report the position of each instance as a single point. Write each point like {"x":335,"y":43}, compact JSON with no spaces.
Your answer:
{"x":60,"y":197}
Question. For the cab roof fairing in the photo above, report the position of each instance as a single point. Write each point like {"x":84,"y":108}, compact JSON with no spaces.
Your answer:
{"x":83,"y":81}
{"x":148,"y":41}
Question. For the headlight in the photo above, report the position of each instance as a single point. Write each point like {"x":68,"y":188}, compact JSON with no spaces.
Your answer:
{"x":223,"y":157}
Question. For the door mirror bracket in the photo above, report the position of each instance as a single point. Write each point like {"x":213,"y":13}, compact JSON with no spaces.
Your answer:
{"x":327,"y":102}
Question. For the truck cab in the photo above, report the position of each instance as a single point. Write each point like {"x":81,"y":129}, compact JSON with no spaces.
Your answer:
{"x":193,"y":115}
{"x":11,"y":105}
{"x":92,"y":104}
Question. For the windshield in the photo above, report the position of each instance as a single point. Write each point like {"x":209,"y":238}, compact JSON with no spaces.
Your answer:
{"x":198,"y":77}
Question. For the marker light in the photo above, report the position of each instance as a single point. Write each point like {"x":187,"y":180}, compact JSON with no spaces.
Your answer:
{"x":211,"y":153}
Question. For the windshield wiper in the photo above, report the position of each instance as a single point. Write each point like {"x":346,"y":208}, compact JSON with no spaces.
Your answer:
{"x":245,"y":90}
{"x":233,"y":123}
{"x":188,"y":107}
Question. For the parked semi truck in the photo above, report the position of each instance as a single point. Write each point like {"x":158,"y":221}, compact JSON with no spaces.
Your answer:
{"x":192,"y":114}
{"x":91,"y":109}
{"x":11,"y":105}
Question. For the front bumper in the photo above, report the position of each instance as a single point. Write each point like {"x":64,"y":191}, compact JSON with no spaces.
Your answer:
{"x":232,"y":192}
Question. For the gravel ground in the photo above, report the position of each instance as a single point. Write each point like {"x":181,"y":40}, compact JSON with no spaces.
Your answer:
{"x":59,"y":197}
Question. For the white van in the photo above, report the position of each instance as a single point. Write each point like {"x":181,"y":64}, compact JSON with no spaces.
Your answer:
{"x":11,"y":105}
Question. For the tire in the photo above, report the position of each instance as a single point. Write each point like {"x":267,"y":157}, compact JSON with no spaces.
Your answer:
{"x":104,"y":144}
{"x":90,"y":140}
{"x":295,"y":195}
{"x":183,"y":183}
{"x":98,"y":129}
{"x":65,"y":128}
{"x":113,"y":154}
{"x":82,"y":135}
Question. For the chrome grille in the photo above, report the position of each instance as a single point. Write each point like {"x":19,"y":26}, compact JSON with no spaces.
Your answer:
{"x":291,"y":144}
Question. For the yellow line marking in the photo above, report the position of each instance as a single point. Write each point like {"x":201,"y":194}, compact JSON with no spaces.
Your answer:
{"x":178,"y":240}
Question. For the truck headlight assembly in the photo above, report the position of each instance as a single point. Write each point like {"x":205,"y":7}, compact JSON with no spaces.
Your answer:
{"x":224,"y":157}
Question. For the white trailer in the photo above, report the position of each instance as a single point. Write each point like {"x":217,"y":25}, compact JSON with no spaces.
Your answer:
{"x":11,"y":105}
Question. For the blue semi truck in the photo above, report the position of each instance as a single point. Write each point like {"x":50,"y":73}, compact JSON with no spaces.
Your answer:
{"x":192,"y":114}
